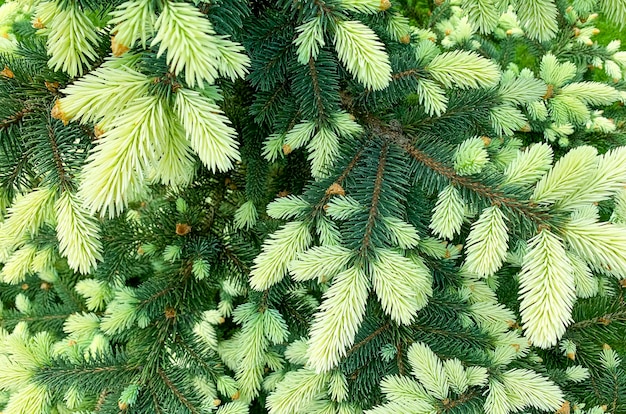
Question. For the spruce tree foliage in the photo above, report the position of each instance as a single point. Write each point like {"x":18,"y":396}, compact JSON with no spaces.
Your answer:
{"x":312,"y":206}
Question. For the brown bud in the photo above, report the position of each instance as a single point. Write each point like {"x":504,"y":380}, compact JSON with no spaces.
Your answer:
{"x":448,"y":32}
{"x":384,"y":5}
{"x":221,"y":320}
{"x":283,"y":193}
{"x":595,"y":31}
{"x":516,"y":347}
{"x":122,"y":405}
{"x":526,"y":128}
{"x":170,"y":313}
{"x":140,"y":251}
{"x":117,"y":48}
{"x":38,"y":24}
{"x":182,"y":229}
{"x":335,"y":189}
{"x":287,"y":149}
{"x":25,"y":286}
{"x":622,"y":283}
{"x":606,"y":347}
{"x":71,"y":342}
{"x":98,"y":131}
{"x":7,"y":73}
{"x":571,"y":355}
{"x":513,"y":324}
{"x":217,"y":402}
{"x":52,"y":86}
{"x":549,"y":92}
{"x":57,"y":113}
{"x":604,"y":321}
{"x":406,"y":39}
{"x":509,"y":32}
{"x":236,"y":395}
{"x":565,"y":408}
{"x":486,"y":140}
{"x":576,"y":31}
{"x":45,"y":286}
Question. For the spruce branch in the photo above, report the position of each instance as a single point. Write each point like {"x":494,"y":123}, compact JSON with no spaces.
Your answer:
{"x":407,"y":73}
{"x":373,"y":211}
{"x":101,"y":399}
{"x":39,"y":318}
{"x":524,"y":208}
{"x":369,"y":338}
{"x":400,"y":359}
{"x":317,"y":89}
{"x":155,"y":402}
{"x":22,"y":164}
{"x":70,"y":293}
{"x":449,"y":404}
{"x":606,"y":319}
{"x":58,"y":161}
{"x":177,"y":393}
{"x":352,"y":278}
{"x":318,"y":209}
{"x":15,"y":119}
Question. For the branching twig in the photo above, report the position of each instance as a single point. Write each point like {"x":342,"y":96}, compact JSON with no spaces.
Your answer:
{"x":495,"y":196}
{"x":58,"y":161}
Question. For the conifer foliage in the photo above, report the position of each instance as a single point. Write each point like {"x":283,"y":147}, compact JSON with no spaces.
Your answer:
{"x":312,"y":206}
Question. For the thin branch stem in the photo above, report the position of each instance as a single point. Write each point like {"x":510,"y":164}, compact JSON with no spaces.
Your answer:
{"x":369,"y":338}
{"x":318,"y":208}
{"x":317,"y":90}
{"x":373,"y":213}
{"x":600,"y":320}
{"x":56,"y":155}
{"x":177,"y":392}
{"x":495,"y":196}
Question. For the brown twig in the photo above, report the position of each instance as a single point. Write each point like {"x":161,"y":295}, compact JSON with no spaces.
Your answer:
{"x":495,"y":196}
{"x":177,"y":392}
{"x":373,"y":213}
